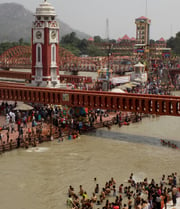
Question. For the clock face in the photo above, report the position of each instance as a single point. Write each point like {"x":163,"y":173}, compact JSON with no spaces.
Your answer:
{"x":53,"y":34}
{"x":38,"y":34}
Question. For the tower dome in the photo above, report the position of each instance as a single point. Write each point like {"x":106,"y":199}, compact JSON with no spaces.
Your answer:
{"x":45,"y":9}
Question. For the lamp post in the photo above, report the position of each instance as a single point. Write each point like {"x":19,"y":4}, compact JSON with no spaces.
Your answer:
{"x":107,"y":72}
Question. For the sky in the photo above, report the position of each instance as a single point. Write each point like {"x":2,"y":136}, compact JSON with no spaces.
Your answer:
{"x":90,"y":16}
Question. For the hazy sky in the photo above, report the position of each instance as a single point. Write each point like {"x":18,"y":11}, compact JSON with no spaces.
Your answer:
{"x":90,"y":16}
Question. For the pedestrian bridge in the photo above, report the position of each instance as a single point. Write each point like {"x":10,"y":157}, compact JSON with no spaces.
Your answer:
{"x":19,"y":57}
{"x":141,"y":103}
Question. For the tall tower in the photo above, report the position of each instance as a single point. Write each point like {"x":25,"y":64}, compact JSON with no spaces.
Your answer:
{"x":45,"y":47}
{"x":142,"y":31}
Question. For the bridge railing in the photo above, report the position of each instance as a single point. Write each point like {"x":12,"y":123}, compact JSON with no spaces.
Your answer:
{"x":27,"y":76}
{"x":160,"y":105}
{"x":75,"y":79}
{"x":12,"y":74}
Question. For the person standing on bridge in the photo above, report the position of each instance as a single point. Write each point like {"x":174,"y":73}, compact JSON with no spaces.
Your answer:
{"x":174,"y":195}
{"x":1,"y":138}
{"x":100,"y":117}
{"x":12,"y":128}
{"x":7,"y":119}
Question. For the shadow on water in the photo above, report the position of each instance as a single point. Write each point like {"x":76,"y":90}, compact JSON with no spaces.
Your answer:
{"x":102,"y":133}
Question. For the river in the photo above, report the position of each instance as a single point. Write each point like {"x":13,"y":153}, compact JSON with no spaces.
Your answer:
{"x":39,"y":178}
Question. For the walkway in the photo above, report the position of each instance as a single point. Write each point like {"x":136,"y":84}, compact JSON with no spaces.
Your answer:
{"x":169,"y":205}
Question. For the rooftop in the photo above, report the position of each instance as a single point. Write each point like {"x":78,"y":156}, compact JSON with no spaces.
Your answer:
{"x":142,"y":18}
{"x":91,"y":39}
{"x":45,"y":9}
{"x":162,"y":39}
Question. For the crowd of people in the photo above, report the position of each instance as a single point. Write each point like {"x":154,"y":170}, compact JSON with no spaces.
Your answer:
{"x":159,"y":76}
{"x":169,"y":144}
{"x":43,"y":123}
{"x":138,"y":195}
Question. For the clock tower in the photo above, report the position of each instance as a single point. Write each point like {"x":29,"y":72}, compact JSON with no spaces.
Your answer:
{"x":45,"y":47}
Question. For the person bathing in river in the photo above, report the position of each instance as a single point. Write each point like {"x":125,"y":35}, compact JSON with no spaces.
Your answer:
{"x":81,"y":191}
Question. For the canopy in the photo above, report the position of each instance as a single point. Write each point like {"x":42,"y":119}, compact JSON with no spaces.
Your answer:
{"x":120,"y":79}
{"x":139,"y":64}
{"x":128,"y":85}
{"x":117,"y":90}
{"x":135,"y":83}
{"x":138,"y":79}
{"x":23,"y":107}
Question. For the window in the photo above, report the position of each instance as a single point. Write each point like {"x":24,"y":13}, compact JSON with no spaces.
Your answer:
{"x":38,"y":17}
{"x":53,"y":54}
{"x":39,"y":54}
{"x":38,"y":74}
{"x":46,"y":18}
{"x":53,"y":74}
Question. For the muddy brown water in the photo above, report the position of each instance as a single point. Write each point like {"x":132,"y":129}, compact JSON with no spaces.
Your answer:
{"x":39,"y":178}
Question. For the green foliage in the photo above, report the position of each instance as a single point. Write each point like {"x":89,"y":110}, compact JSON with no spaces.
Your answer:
{"x":152,"y":41}
{"x":70,"y":39}
{"x":94,"y":51}
{"x":174,"y":44}
{"x":81,"y":47}
{"x":112,"y":41}
{"x":7,"y":45}
{"x":21,"y":41}
{"x":70,"y":42}
{"x":72,"y":48}
{"x":97,"y":39}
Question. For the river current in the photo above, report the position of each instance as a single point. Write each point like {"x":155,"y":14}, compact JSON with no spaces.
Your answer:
{"x":39,"y":178}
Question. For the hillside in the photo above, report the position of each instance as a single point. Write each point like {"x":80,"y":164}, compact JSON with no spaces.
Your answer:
{"x":16,"y":22}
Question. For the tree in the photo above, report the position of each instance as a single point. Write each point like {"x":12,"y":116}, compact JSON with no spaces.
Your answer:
{"x":112,"y":41}
{"x":70,"y":39}
{"x":152,"y":41}
{"x":7,"y":45}
{"x":97,"y":39}
{"x":79,"y":47}
{"x":174,"y":44}
{"x":95,"y":51}
{"x":21,"y":41}
{"x":177,"y":45}
{"x":170,"y":43}
{"x":83,"y":46}
{"x":72,"y":49}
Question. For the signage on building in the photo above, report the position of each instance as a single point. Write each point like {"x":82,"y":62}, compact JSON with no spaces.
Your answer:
{"x":120,"y":80}
{"x":140,"y":50}
{"x":65,"y":97}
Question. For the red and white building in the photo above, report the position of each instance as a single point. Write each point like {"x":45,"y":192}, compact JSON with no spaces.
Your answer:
{"x":142,"y":30}
{"x":45,"y":47}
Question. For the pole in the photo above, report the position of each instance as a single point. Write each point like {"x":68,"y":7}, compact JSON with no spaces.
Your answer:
{"x":146,"y":12}
{"x":107,"y":31}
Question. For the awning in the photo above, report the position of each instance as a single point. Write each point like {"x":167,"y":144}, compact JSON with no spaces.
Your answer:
{"x":23,"y":107}
{"x":117,"y":90}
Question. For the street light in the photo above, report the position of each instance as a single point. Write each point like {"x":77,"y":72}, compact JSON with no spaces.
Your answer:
{"x":107,"y":72}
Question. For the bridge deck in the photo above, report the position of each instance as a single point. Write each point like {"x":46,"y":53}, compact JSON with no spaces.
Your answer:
{"x":142,"y":103}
